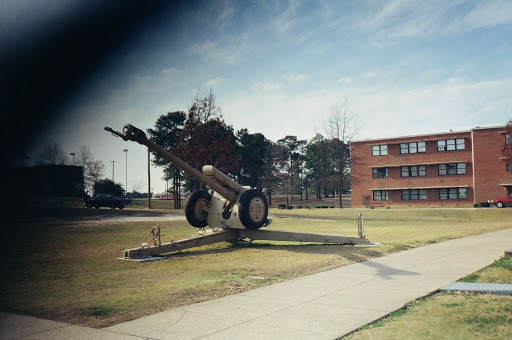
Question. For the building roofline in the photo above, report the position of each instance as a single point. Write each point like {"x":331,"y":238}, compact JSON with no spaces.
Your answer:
{"x":428,"y":134}
{"x":422,"y":187}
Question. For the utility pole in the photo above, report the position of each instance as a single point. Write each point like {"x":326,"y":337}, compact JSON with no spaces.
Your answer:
{"x":126,"y":169}
{"x":113,"y":170}
{"x":149,"y":180}
{"x":73,"y":176}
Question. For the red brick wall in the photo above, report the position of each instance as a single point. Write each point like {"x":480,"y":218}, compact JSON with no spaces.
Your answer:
{"x":362,"y":161}
{"x":490,"y":170}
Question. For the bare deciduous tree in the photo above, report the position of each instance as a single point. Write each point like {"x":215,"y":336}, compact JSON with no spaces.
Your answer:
{"x":52,"y":154}
{"x":205,"y":108}
{"x":139,"y":186}
{"x":93,"y":170}
{"x":341,"y":127}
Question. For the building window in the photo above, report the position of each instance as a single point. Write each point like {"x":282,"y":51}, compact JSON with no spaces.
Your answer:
{"x":414,"y":147}
{"x":414,"y":194}
{"x":508,"y":139}
{"x":453,"y":194}
{"x":414,"y":171}
{"x":380,"y":195}
{"x":451,"y":144}
{"x":380,"y":172}
{"x":379,"y":150}
{"x":452,"y":169}
{"x":509,"y":167}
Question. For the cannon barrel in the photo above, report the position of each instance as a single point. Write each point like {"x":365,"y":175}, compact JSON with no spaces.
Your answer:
{"x":213,"y":178}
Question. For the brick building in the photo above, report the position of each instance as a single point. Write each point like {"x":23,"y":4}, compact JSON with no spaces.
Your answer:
{"x":442,"y":169}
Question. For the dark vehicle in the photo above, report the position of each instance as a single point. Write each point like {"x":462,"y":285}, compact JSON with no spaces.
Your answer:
{"x":104,"y":200}
{"x":502,"y":201}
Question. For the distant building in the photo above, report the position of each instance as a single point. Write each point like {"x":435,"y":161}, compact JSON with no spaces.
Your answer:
{"x":51,"y":180}
{"x":442,"y":169}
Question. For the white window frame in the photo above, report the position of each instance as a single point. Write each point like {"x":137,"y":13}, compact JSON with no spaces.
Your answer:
{"x":380,"y":150}
{"x":380,"y":195}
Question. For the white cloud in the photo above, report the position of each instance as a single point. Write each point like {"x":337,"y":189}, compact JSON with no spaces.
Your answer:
{"x":383,"y":111}
{"x":345,"y":81}
{"x":214,"y":82}
{"x":266,"y":87}
{"x":453,"y":103}
{"x":371,"y":74}
{"x":226,"y":50}
{"x":296,"y":77}
{"x":485,"y":14}
{"x":170,"y":70}
{"x":283,"y":20}
{"x":398,"y":19}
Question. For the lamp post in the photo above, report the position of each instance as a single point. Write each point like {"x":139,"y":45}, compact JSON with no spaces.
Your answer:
{"x":73,"y":176}
{"x":113,"y":170}
{"x":149,"y":180}
{"x":126,"y":168}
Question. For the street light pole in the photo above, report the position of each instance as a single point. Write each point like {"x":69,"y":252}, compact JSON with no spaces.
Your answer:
{"x":149,"y":180}
{"x":126,"y":169}
{"x":113,"y":170}
{"x":73,"y":176}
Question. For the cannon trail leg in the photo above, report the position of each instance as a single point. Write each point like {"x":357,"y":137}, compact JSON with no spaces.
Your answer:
{"x":195,"y":241}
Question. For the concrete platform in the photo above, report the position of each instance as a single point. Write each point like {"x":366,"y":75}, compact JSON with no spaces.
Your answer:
{"x":320,"y":306}
{"x":487,"y":288}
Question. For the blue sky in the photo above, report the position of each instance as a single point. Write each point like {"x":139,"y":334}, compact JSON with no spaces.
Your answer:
{"x":278,"y":67}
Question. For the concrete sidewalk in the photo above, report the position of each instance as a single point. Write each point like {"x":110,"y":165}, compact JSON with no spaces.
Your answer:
{"x":320,"y":306}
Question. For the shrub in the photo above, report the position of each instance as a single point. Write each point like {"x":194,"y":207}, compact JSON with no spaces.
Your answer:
{"x":484,"y":204}
{"x":366,"y":201}
{"x":290,"y":207}
{"x":281,"y":206}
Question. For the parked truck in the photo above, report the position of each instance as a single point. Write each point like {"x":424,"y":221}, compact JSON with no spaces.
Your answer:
{"x":104,"y":200}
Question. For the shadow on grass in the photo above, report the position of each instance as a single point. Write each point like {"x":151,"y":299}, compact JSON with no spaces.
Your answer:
{"x":349,"y":252}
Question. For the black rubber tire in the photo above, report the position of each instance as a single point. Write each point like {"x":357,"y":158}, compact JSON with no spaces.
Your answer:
{"x":253,"y":209}
{"x":113,"y":206}
{"x":499,"y":205}
{"x":194,"y":208}
{"x":121,"y":207}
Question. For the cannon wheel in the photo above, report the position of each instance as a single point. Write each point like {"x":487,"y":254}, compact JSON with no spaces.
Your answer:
{"x":196,"y":208}
{"x":253,"y":209}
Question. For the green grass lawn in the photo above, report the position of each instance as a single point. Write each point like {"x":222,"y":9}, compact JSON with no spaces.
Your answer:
{"x":63,"y":266}
{"x":452,"y":315}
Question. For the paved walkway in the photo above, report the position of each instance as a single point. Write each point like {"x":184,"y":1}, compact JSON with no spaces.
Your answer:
{"x":320,"y":306}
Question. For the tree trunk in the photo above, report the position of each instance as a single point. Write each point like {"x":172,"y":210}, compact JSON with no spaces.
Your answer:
{"x":341,"y":191}
{"x":300,"y":188}
{"x":179,"y":190}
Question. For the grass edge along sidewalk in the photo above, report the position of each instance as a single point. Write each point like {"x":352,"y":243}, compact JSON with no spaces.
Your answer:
{"x":447,"y":315}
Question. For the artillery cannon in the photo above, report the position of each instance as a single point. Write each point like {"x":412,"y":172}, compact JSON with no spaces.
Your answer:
{"x":233,"y":212}
{"x":230,"y":206}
